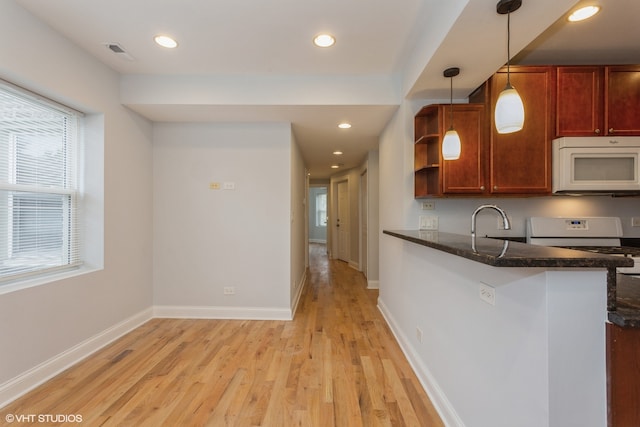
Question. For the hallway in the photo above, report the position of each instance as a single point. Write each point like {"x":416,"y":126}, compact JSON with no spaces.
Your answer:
{"x":335,"y":364}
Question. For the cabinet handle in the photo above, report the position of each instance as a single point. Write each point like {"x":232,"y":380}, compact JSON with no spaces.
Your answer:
{"x":597,"y":131}
{"x":495,"y":187}
{"x":482,"y":187}
{"x":611,"y":130}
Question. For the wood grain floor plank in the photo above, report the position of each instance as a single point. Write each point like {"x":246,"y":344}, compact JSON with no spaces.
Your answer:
{"x":335,"y":365}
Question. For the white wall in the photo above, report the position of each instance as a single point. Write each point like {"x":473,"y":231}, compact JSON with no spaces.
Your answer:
{"x":70,"y":315}
{"x":205,"y":240}
{"x":454,"y":214}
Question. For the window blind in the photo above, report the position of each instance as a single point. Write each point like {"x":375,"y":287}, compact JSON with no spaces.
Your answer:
{"x":39,"y":214}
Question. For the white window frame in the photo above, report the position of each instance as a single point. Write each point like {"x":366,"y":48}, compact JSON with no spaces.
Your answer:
{"x":69,"y":252}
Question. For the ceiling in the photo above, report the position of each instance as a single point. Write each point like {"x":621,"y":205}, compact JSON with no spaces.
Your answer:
{"x":253,"y":60}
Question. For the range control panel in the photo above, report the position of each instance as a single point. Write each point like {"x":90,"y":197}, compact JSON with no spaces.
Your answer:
{"x":577,"y":224}
{"x":574,"y":227}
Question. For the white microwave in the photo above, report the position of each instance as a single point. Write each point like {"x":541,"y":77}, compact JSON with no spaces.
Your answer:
{"x":596,"y":164}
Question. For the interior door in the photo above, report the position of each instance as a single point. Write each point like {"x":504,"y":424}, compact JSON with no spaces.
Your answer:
{"x":342,"y":221}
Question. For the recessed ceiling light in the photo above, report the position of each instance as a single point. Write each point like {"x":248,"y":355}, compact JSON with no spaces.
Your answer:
{"x":324,"y":40}
{"x":344,"y":125}
{"x":583,"y":13}
{"x":334,"y":166}
{"x":166,"y":41}
{"x":337,"y":153}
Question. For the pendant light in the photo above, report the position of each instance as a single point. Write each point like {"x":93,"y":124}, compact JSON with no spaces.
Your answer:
{"x":509,"y":112}
{"x":451,"y":141}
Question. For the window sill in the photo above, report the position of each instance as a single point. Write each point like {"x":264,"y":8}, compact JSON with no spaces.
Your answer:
{"x":45,"y":279}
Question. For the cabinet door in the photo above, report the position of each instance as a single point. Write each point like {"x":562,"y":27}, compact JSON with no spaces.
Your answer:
{"x":579,"y":101}
{"x":622,"y":100}
{"x":623,"y":375}
{"x":521,"y":161}
{"x":466,"y":174}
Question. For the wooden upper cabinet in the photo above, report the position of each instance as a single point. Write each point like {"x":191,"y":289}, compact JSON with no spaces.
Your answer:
{"x":598,"y":100}
{"x":521,"y":161}
{"x":466,"y":174}
{"x":558,"y":101}
{"x":579,"y":101}
{"x":434,"y":176}
{"x":622,"y":100}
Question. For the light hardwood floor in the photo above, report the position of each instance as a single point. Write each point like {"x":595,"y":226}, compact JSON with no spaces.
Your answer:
{"x":335,"y":364}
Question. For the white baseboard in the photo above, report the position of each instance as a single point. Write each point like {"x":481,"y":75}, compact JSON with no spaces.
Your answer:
{"x":217,"y":312}
{"x":296,"y":299}
{"x":373,"y":284}
{"x":354,"y":265}
{"x":444,"y":407}
{"x":27,"y":381}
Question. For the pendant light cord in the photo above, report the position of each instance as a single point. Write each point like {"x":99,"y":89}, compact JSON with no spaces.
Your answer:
{"x":508,"y":46}
{"x":451,"y":101}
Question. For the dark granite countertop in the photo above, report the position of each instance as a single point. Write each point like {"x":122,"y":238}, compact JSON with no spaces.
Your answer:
{"x":623,"y":291}
{"x":504,"y":253}
{"x":627,"y":311}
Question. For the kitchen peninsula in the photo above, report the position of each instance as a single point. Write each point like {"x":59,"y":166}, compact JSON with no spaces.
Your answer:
{"x":506,"y":333}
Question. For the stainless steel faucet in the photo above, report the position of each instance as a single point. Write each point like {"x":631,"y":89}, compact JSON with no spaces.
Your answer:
{"x":503,"y":214}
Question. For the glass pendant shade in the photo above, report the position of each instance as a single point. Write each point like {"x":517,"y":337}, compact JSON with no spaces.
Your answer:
{"x":451,"y":145}
{"x":509,"y":113}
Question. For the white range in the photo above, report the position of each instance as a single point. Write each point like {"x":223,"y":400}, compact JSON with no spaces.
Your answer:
{"x":593,"y":234}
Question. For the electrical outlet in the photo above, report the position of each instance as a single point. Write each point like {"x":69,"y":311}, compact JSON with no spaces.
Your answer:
{"x":428,"y":222}
{"x":428,"y":206}
{"x":635,"y":221}
{"x":229,"y":290}
{"x":419,"y":334}
{"x":214,"y":186}
{"x":229,"y":186}
{"x":487,"y":293}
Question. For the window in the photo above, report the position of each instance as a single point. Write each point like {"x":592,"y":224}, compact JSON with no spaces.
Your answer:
{"x":39,"y":143}
{"x":321,"y":210}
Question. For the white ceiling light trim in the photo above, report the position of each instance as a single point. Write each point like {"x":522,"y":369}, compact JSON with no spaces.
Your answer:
{"x":324,"y":40}
{"x":583,"y":13}
{"x":165,"y":41}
